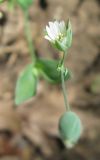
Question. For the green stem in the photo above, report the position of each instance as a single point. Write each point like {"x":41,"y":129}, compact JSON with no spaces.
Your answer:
{"x":29,"y":36}
{"x":63,"y":83}
{"x":64,"y":90}
{"x":62,"y":60}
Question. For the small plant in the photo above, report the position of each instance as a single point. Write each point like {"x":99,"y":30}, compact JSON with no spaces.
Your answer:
{"x":54,"y":71}
{"x":60,"y":36}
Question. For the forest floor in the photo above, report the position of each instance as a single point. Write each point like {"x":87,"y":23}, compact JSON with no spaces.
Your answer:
{"x":30,"y":131}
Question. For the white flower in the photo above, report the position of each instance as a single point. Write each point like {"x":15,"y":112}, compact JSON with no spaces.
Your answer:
{"x":57,"y":33}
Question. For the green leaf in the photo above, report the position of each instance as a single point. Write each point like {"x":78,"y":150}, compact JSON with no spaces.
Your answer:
{"x":26,"y":85}
{"x":1,"y":1}
{"x":48,"y":69}
{"x":25,"y":4}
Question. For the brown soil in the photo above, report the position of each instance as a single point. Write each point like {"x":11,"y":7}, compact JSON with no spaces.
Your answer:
{"x":29,"y":132}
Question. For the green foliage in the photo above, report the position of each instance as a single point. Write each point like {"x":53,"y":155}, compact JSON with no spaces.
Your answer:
{"x":48,"y":69}
{"x":70,"y":128}
{"x":26,"y":85}
{"x":27,"y":82}
{"x":1,"y":1}
{"x":25,"y":4}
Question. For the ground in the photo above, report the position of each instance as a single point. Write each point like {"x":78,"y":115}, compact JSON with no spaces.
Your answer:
{"x":30,"y":131}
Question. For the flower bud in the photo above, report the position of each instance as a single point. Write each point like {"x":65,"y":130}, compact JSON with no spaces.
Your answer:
{"x":70,"y":128}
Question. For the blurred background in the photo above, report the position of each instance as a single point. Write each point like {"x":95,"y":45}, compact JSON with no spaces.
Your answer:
{"x":30,"y":131}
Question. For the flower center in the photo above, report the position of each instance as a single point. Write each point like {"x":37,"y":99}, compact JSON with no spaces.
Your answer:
{"x":60,"y":36}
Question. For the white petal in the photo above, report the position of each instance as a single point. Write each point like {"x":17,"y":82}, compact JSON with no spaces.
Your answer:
{"x":62,"y":27}
{"x":52,"y":29}
{"x":50,"y":33}
{"x":56,"y":25}
{"x":50,"y":24}
{"x":48,"y":38}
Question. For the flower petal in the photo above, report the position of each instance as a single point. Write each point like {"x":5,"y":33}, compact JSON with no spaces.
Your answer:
{"x":48,"y":38}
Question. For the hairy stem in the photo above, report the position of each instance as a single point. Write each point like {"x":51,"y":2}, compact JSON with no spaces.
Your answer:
{"x":29,"y":36}
{"x":63,"y":83}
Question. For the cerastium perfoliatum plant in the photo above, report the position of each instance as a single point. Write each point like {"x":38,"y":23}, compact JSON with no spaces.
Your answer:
{"x":59,"y":35}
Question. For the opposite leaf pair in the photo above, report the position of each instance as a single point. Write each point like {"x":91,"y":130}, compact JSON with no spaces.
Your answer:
{"x":27,"y":82}
{"x":70,"y":127}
